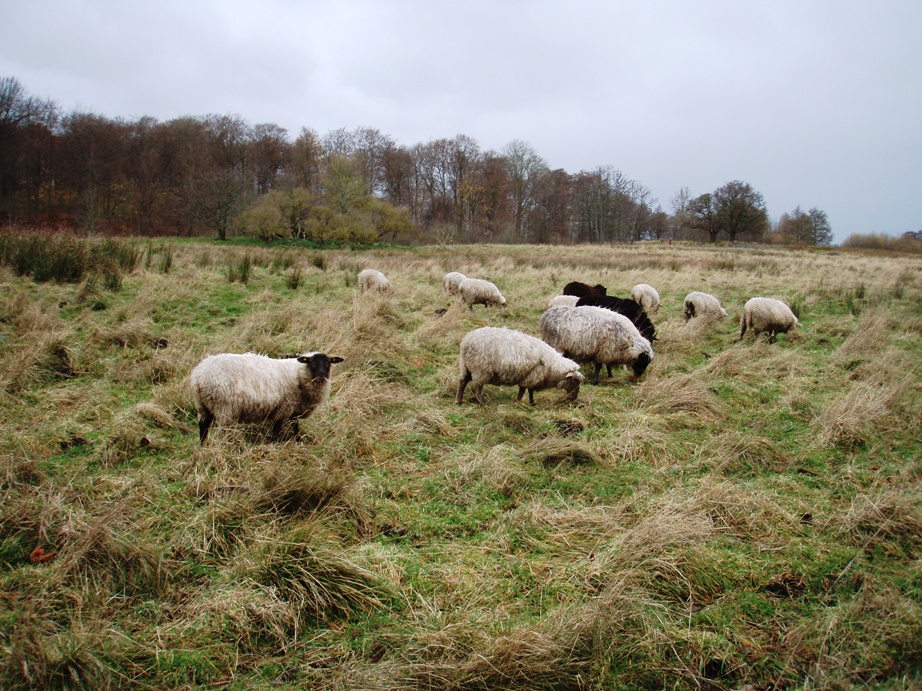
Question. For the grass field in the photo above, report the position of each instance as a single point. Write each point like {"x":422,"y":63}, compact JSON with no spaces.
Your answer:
{"x":747,"y":515}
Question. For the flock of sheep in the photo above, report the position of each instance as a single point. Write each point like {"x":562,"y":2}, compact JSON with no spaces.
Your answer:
{"x":583,"y":325}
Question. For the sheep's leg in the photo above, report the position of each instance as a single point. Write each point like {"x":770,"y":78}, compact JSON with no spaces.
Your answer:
{"x":478,"y":393}
{"x":461,"y":386}
{"x":531,"y":396}
{"x":518,"y":398}
{"x":205,"y":418}
{"x":608,"y":367}
{"x":595,"y":377}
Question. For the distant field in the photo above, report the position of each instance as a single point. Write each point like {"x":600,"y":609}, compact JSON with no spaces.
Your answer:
{"x":746,"y":513}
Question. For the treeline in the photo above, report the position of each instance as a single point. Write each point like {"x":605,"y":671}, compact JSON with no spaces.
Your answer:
{"x":219,"y":174}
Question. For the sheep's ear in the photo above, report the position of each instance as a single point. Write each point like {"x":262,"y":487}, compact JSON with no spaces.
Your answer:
{"x":303,"y":359}
{"x":335,"y":359}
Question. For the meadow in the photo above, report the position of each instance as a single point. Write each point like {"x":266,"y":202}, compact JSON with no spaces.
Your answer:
{"x":746,"y":515}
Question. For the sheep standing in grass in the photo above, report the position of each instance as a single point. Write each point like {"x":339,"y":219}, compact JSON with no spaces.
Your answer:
{"x":596,"y":335}
{"x":475,"y":291}
{"x":766,"y":315}
{"x":629,"y":308}
{"x":699,"y":304}
{"x":451,"y":282}
{"x":582,"y":289}
{"x":647,"y":296}
{"x":251,"y":388}
{"x":499,"y":356}
{"x":565,"y":300}
{"x":372,"y":279}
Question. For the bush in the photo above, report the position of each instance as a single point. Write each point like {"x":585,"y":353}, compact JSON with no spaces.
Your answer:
{"x":46,"y":257}
{"x":238,"y":268}
{"x":907,"y":242}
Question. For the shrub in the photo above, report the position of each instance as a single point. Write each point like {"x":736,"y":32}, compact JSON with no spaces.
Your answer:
{"x":238,"y":268}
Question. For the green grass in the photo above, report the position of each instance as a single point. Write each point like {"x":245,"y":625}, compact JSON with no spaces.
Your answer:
{"x":745,"y":514}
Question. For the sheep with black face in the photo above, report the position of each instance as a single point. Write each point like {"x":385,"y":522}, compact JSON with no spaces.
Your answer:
{"x":596,"y":335}
{"x":257,"y":389}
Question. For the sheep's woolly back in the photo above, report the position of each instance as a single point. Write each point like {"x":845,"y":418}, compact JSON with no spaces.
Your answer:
{"x":766,"y":315}
{"x":698,"y":304}
{"x":255,"y":388}
{"x":476,"y":291}
{"x":451,"y":282}
{"x":647,"y":296}
{"x":594,"y":334}
{"x":563,"y":301}
{"x":372,"y":279}
{"x":501,"y":356}
{"x":626,"y":306}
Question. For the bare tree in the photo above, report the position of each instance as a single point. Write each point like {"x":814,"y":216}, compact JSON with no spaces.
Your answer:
{"x":268,"y":152}
{"x":369,"y":147}
{"x":682,"y":220}
{"x":463,"y":159}
{"x":525,"y":169}
{"x":704,"y":214}
{"x":804,"y":228}
{"x":26,"y":145}
{"x":305,"y":162}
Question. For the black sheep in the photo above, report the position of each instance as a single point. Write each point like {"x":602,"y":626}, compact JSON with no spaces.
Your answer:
{"x":581,"y":289}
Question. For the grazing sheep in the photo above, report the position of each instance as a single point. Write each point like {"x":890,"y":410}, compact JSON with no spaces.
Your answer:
{"x":475,"y":291}
{"x":372,"y":279}
{"x":766,"y":314}
{"x":597,"y":335}
{"x":582,"y":289}
{"x":564,"y":300}
{"x":500,"y":356}
{"x":253,"y":388}
{"x":629,"y":308}
{"x":647,"y":296}
{"x":451,"y":281}
{"x":699,"y":304}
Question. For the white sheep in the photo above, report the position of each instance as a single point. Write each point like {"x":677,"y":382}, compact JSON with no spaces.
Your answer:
{"x":476,"y":291}
{"x":766,"y":315}
{"x":597,"y":335}
{"x":451,"y":281}
{"x":251,"y":388}
{"x":372,"y":279}
{"x":698,"y":304}
{"x":500,"y":356}
{"x":647,"y":296}
{"x":563,"y":300}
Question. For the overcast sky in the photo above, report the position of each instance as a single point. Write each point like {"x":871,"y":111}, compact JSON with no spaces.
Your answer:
{"x":815,"y":103}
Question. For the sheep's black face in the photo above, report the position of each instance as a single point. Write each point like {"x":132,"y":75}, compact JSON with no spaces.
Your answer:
{"x":570,"y":384}
{"x":319,"y":365}
{"x":641,"y":364}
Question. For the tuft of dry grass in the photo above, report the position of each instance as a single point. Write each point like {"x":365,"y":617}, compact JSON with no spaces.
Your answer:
{"x":858,"y":413}
{"x":679,"y":393}
{"x":318,"y":580}
{"x":734,"y":452}
{"x":888,"y":514}
{"x":555,"y":453}
{"x":102,"y":550}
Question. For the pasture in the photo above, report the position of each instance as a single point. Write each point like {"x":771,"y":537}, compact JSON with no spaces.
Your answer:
{"x":745,"y":514}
